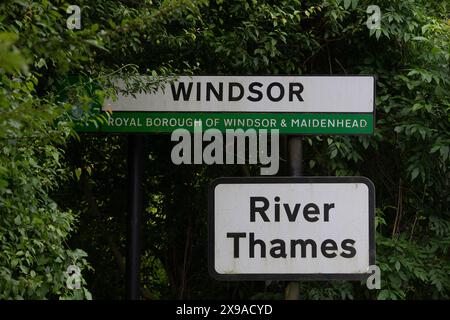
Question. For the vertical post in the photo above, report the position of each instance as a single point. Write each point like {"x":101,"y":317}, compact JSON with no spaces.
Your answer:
{"x":295,"y":156}
{"x":295,"y":151}
{"x":135,"y":206}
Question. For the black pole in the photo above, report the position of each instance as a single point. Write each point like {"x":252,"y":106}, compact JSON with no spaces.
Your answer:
{"x":295,"y":156}
{"x":135,"y":206}
{"x":295,"y":150}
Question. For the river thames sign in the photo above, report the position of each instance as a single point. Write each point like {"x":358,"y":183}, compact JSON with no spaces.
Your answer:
{"x":291,"y":228}
{"x":290,"y":104}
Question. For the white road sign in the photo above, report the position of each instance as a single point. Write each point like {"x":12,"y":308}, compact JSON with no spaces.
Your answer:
{"x":302,"y":94}
{"x":291,"y":228}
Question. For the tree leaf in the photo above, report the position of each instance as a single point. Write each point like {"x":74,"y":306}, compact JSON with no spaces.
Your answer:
{"x":347,"y":4}
{"x":414,"y":173}
{"x":78,"y":173}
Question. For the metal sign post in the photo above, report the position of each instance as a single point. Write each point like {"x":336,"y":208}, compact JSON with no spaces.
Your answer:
{"x":135,"y":207}
{"x":295,"y":150}
{"x":295,"y":163}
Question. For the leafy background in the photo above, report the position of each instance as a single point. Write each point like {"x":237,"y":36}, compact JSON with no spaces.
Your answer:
{"x":61,"y":193}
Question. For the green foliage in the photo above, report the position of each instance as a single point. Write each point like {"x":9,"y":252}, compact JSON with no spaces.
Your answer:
{"x":34,"y":255}
{"x":39,"y":57}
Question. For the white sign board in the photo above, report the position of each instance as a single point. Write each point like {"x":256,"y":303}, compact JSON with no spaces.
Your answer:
{"x":291,"y":228}
{"x":305,"y":94}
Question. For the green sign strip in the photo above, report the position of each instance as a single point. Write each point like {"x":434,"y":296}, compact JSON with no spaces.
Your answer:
{"x":286,"y":123}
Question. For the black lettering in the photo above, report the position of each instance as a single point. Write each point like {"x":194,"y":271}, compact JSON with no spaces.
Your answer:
{"x":326,"y":211}
{"x":347,"y":245}
{"x":199,"y":91}
{"x":210,"y":88}
{"x":181,"y":90}
{"x":296,"y":92}
{"x":309,"y":211}
{"x":236,"y":236}
{"x":281,"y":248}
{"x":303,"y":244}
{"x":252,"y":243}
{"x":261,"y":210}
{"x":328,"y":245}
{"x":269,"y":91}
{"x":255,"y":91}
{"x":232,"y":85}
{"x":292,"y":216}
{"x":277,"y":209}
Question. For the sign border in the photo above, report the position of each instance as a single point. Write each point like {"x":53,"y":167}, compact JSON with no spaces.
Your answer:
{"x":291,"y":276}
